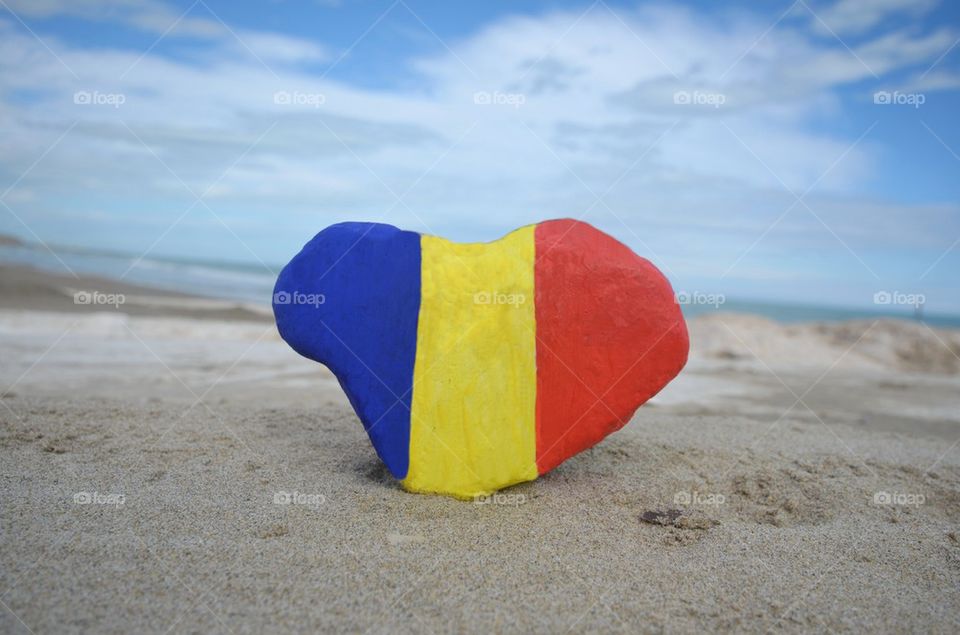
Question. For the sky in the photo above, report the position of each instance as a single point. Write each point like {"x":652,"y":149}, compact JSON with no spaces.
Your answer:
{"x":802,"y":151}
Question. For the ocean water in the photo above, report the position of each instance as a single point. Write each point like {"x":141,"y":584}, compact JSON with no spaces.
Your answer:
{"x":232,"y":281}
{"x":796,"y":313}
{"x":253,"y":283}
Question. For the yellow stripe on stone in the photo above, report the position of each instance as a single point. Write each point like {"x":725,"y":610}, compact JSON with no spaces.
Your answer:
{"x":473,"y":414}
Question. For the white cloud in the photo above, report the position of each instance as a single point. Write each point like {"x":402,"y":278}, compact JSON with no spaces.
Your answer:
{"x":855,"y":17}
{"x":932,"y":81}
{"x":148,"y":15}
{"x":272,"y":47}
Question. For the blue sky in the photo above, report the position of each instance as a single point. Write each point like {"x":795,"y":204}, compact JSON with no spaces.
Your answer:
{"x":741,"y":148}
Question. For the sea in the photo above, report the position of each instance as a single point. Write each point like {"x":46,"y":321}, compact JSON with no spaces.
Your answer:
{"x":253,"y":283}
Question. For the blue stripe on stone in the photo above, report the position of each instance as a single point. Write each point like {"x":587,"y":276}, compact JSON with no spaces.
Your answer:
{"x":351,"y":300}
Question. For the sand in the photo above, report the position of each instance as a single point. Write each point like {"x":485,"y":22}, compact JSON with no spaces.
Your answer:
{"x":26,"y":288}
{"x":166,"y":471}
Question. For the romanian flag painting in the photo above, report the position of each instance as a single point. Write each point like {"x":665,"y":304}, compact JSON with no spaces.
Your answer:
{"x":476,"y":366}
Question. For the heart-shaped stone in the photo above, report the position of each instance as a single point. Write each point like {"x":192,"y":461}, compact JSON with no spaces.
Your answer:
{"x":476,"y":366}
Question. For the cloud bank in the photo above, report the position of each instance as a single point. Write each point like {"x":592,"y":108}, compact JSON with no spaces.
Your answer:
{"x":704,"y":144}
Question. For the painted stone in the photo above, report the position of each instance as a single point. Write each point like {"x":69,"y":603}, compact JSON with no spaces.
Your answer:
{"x":475,"y":366}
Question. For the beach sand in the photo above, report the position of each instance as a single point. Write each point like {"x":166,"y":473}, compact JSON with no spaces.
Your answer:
{"x":174,"y":467}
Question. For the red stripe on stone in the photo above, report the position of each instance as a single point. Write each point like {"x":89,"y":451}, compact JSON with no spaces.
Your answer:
{"x":609,"y":336}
